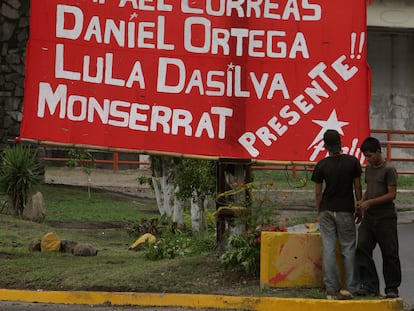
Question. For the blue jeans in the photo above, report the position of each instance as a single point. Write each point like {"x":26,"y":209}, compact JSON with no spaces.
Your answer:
{"x":338,"y":226}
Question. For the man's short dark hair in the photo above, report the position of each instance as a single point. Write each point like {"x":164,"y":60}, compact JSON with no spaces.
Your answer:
{"x":370,"y":144}
{"x":332,"y":140}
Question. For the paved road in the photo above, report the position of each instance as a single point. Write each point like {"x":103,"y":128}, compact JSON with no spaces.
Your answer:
{"x":406,"y":234}
{"x":19,"y":306}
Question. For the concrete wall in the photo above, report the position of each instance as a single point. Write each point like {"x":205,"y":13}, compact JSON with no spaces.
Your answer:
{"x":391,"y":13}
{"x":391,"y":62}
{"x":390,"y":50}
{"x":392,"y":98}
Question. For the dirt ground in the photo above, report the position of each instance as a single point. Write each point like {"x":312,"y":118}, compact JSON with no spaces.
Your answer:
{"x":126,"y":183}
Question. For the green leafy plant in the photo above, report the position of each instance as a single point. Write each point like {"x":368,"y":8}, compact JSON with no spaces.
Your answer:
{"x":155,"y":225}
{"x":172,"y":242}
{"x":19,"y":172}
{"x":144,"y":226}
{"x":143,"y":180}
{"x":172,"y":245}
{"x":259,"y":213}
{"x":84,"y":159}
{"x":244,"y":249}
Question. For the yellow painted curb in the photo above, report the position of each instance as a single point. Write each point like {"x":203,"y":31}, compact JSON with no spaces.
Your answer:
{"x":199,"y":301}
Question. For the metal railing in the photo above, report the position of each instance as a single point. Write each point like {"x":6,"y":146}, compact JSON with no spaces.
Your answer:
{"x":115,"y":162}
{"x":388,"y":143}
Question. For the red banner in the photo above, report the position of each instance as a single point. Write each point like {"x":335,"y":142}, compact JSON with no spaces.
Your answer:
{"x":221,"y":78}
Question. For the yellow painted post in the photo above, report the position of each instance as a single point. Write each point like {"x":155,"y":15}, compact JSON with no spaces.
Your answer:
{"x":292,"y":259}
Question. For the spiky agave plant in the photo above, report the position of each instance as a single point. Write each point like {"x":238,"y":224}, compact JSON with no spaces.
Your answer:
{"x":19,"y":172}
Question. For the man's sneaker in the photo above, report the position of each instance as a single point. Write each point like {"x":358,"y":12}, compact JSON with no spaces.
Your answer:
{"x":392,"y":294}
{"x":344,"y":295}
{"x":331,"y":295}
{"x":365,"y":292}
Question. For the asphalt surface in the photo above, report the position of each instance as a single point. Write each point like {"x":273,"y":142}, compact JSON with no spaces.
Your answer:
{"x":24,"y":306}
{"x":405,"y":235}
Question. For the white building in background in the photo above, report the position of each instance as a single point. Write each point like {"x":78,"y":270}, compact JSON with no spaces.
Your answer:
{"x":390,"y":57}
{"x":143,"y":158}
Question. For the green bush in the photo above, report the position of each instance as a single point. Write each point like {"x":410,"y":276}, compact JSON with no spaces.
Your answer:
{"x":19,"y":172}
{"x":180,"y":244}
{"x":244,"y":249}
{"x":258,"y":213}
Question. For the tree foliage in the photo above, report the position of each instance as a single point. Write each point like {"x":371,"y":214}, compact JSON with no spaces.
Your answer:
{"x":176,"y":180}
{"x":196,"y":180}
{"x":196,"y":176}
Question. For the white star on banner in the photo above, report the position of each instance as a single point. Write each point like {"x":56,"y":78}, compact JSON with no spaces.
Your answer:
{"x":331,"y":124}
{"x":133,"y":16}
{"x":230,"y":67}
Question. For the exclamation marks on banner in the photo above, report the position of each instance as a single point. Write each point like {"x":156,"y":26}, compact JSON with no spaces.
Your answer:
{"x":99,"y":1}
{"x":357,"y":45}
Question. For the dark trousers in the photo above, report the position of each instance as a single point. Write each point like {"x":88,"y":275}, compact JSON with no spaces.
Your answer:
{"x":384,"y":232}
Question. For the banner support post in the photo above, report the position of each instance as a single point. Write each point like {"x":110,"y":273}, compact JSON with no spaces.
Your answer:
{"x":230,"y":173}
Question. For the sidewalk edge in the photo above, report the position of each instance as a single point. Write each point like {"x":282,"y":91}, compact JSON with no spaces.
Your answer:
{"x":197,"y":301}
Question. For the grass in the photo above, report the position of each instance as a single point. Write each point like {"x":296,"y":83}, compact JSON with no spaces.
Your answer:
{"x":284,"y":179}
{"x":405,"y":181}
{"x":73,"y":204}
{"x":115,"y":268}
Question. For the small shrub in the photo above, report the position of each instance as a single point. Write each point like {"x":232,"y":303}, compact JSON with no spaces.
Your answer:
{"x":84,"y":159}
{"x":244,"y":249}
{"x":259,"y":213}
{"x":144,"y":226}
{"x":172,"y":245}
{"x":156,"y":226}
{"x":144,"y":180}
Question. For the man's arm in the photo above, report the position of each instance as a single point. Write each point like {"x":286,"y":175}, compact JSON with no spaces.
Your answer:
{"x":358,"y":195}
{"x":358,"y":188}
{"x":318,"y":196}
{"x":385,"y":198}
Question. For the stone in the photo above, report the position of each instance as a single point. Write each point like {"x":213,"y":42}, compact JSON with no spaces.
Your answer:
{"x":66,"y":246}
{"x":84,"y":249}
{"x":35,"y":210}
{"x":34,"y":245}
{"x":9,"y":12}
{"x":50,"y":242}
{"x":7,"y":31}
